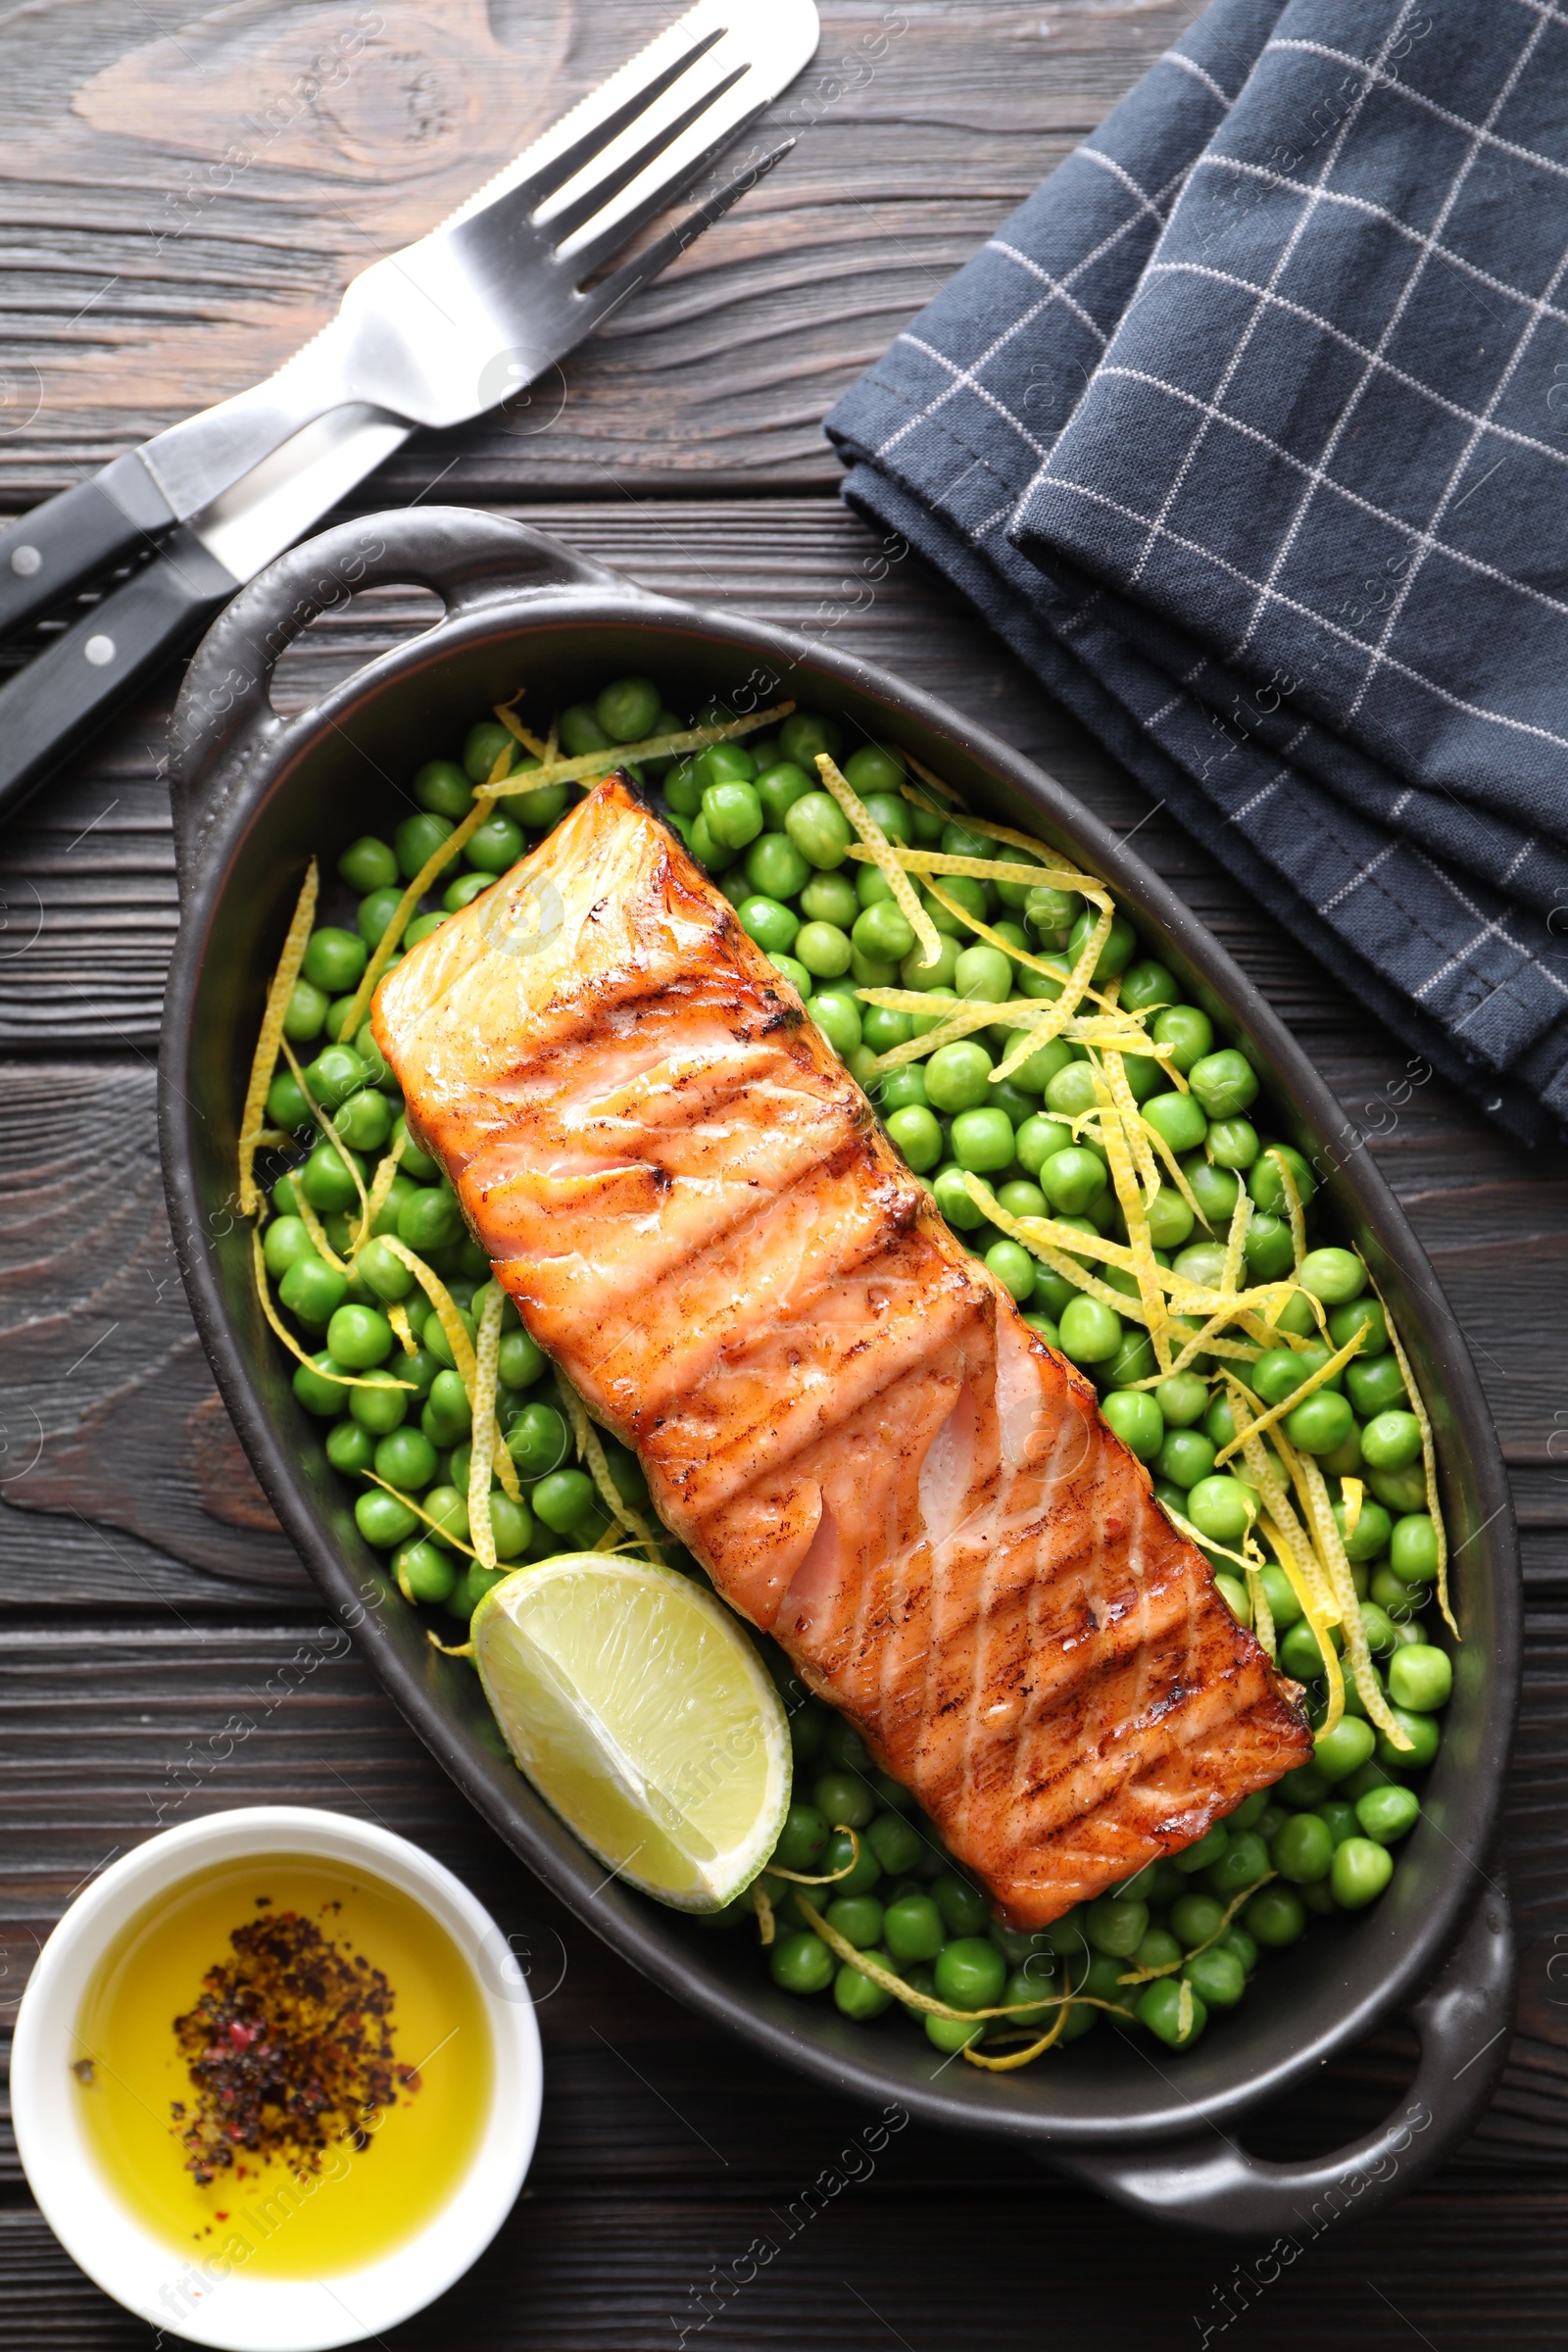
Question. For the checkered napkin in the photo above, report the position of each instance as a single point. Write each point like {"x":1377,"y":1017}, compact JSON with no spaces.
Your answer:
{"x":1249,"y":433}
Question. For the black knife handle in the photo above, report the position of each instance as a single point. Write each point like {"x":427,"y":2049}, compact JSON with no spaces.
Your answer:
{"x":71,"y":539}
{"x":70,"y":689}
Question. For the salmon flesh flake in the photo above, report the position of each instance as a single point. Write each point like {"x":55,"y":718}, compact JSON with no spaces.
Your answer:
{"x":840,"y":1412}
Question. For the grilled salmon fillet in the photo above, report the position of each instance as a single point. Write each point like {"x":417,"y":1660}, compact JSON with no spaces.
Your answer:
{"x":841,"y":1413}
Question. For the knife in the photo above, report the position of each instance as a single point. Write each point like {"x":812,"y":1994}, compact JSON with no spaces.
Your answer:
{"x":438,"y":333}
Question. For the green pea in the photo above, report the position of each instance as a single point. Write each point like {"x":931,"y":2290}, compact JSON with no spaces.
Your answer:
{"x":561,"y":1499}
{"x":1146,"y":985}
{"x":334,"y":1074}
{"x":1038,"y":1140}
{"x":286,"y":1106}
{"x":1413,"y":1549}
{"x":1091,"y":1331}
{"x":958,"y":1077}
{"x":917,"y":1136}
{"x":1073,"y":1179}
{"x":732,"y":814}
{"x":863,"y":1871}
{"x":1233,"y":1144}
{"x":1136,"y":1418}
{"x":1361,"y":1870}
{"x":952,"y":1195}
{"x":1133,"y":1361}
{"x":447,"y":1414}
{"x":983,"y":975}
{"x":1403,"y":1492}
{"x":924,"y":1022}
{"x":774,"y":866}
{"x":375,"y":913}
{"x":982,"y":1140}
{"x":1345,"y":1749}
{"x":431,"y":1219}
{"x":778,"y":787}
{"x":805,"y":735}
{"x":581,"y":732}
{"x":334,"y":959}
{"x":313,"y":1291}
{"x":1115,"y":1925}
{"x":1217,"y":1977}
{"x":1225,"y":1082}
{"x":303,"y":1012}
{"x":964,"y":1910}
{"x":1216,"y":1192}
{"x":838,"y":1015}
{"x":628,"y":709}
{"x":1266,"y":1182}
{"x":1014,"y":1268}
{"x":1366,"y":1314}
{"x":802,"y":1838}
{"x":287,"y":1240}
{"x":844,"y":1800}
{"x":350,"y":1449}
{"x":879,"y":768}
{"x":1159,"y":2007}
{"x":830,"y":899}
{"x":483,"y":746}
{"x":405,"y":1460}
{"x":1275,"y":1917}
{"x":495,"y":845}
{"x":368,"y":863}
{"x":521,"y":1360}
{"x":364,"y":1120}
{"x":1335,"y":1276}
{"x":382,"y":1520}
{"x":1021,"y":1199}
{"x":1185,"y":1456}
{"x":856,"y":1995}
{"x":1303,"y":1849}
{"x":1121,"y":944}
{"x":1244,"y":1862}
{"x":416,"y":840}
{"x":1203,"y":1852}
{"x":964,"y":892}
{"x":970,"y":1973}
{"x":1189,"y":1033}
{"x":1270,"y":1251}
{"x":1391,"y":1442}
{"x":882,"y":933}
{"x":912,"y":1930}
{"x":820,"y":830}
{"x":882,"y":1029}
{"x":858,"y":1918}
{"x":801,"y":1963}
{"x":897,"y":1844}
{"x":1424,"y":1733}
{"x":387,"y":1276}
{"x":538,"y":1441}
{"x":1321,"y":1424}
{"x":1178,"y":1119}
{"x":442,"y":787}
{"x":1182,"y":1399}
{"x":421,"y":927}
{"x":1420,"y":1678}
{"x":1372,"y":1532}
{"x":773,"y":927}
{"x":380,"y":1402}
{"x":823,"y":949}
{"x":1233,"y":1593}
{"x":901,"y":1089}
{"x":359,"y":1336}
{"x":425,"y":1573}
{"x":1375,"y":1386}
{"x":1283,"y":1604}
{"x":1072,"y":1091}
{"x":1221,"y":1508}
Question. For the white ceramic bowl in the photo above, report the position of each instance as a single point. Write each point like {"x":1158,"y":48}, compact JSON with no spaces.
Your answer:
{"x":194,"y":2299}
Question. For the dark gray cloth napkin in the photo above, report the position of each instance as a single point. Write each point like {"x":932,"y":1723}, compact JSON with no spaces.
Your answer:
{"x":1249,"y":433}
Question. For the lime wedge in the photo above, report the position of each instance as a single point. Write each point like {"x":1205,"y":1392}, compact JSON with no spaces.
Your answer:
{"x":641,"y":1712}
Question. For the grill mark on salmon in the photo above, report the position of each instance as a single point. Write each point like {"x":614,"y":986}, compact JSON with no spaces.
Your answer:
{"x":841,"y":1413}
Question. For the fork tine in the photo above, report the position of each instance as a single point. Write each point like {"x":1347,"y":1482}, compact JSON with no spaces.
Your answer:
{"x":560,"y":226}
{"x":637,"y":272}
{"x":530,"y":193}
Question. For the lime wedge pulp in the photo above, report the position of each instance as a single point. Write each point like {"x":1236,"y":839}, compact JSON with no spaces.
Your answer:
{"x":637,"y":1707}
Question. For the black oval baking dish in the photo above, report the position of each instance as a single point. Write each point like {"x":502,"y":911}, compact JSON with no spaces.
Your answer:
{"x":255,"y":796}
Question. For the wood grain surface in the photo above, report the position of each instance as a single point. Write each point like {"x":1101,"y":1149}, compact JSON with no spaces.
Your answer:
{"x":183,"y":198}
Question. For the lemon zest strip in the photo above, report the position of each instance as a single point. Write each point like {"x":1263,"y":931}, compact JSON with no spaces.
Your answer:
{"x":263,"y":1062}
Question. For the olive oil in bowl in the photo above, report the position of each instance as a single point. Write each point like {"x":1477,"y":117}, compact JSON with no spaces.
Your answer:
{"x":285,"y":2062}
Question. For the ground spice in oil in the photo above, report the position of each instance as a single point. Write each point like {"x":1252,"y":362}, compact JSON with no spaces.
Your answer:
{"x":289,"y":2049}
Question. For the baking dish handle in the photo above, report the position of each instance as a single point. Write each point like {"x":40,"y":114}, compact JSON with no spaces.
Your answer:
{"x":1464,"y":2022}
{"x":224,"y":714}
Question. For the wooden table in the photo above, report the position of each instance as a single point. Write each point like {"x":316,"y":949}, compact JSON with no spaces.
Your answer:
{"x":184,"y":199}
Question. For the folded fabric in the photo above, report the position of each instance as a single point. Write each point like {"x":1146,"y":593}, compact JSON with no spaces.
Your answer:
{"x":1248,"y":432}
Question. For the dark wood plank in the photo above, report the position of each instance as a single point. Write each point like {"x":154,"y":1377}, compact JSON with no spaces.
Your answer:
{"x":239,"y":168}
